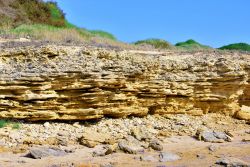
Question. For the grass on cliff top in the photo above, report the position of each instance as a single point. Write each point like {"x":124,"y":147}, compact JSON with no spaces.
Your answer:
{"x":102,"y":34}
{"x":49,"y":33}
{"x":156,"y":43}
{"x":42,"y":20}
{"x":237,"y":46}
{"x":191,"y":45}
{"x":56,"y":34}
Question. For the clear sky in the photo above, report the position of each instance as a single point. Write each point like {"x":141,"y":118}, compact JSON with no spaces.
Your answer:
{"x":211,"y":22}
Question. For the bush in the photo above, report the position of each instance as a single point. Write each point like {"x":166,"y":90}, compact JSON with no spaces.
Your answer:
{"x":157,"y":43}
{"x":191,"y":45}
{"x":57,"y":15}
{"x":34,"y":12}
{"x":237,"y":46}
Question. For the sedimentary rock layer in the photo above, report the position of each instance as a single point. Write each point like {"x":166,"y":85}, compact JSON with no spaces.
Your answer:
{"x":79,"y":83}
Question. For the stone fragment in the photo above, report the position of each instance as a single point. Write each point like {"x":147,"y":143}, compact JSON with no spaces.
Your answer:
{"x":100,"y":152}
{"x":129,"y":147}
{"x":246,"y":139}
{"x":213,"y":136}
{"x":156,"y":145}
{"x":141,"y":133}
{"x":92,"y":138}
{"x":106,"y":165}
{"x":77,"y":125}
{"x":38,"y":153}
{"x":200,"y":156}
{"x":232,"y":162}
{"x":46,"y":124}
{"x":168,"y":157}
{"x":149,"y":158}
{"x":244,"y":113}
{"x":212,"y":148}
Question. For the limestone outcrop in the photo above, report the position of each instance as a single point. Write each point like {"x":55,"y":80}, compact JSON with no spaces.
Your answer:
{"x":80,"y":83}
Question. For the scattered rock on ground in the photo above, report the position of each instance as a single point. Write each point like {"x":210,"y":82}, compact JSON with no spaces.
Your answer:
{"x":129,"y":147}
{"x":141,"y":133}
{"x":91,"y":138}
{"x":213,"y":136}
{"x":201,"y":156}
{"x":38,"y":153}
{"x":212,"y":148}
{"x":232,"y":162}
{"x":149,"y":158}
{"x":168,"y":157}
{"x":156,"y":145}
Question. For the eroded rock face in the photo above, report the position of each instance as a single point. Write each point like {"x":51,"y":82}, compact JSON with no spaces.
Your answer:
{"x":78,"y":83}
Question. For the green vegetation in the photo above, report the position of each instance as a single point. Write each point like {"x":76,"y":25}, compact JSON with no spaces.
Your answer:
{"x":49,"y":33}
{"x":43,"y":21}
{"x":14,"y":125}
{"x":191,"y":45}
{"x":102,"y":34}
{"x":237,"y":46}
{"x":3,"y":123}
{"x":37,"y":12}
{"x":157,"y":43}
{"x":56,"y":34}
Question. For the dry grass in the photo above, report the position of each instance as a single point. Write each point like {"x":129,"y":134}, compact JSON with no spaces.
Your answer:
{"x":63,"y":35}
{"x":48,"y":33}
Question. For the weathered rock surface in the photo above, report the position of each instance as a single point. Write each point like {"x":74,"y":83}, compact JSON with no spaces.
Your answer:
{"x":213,"y":136}
{"x":168,"y":157}
{"x":38,"y":153}
{"x":79,"y":83}
{"x":232,"y":162}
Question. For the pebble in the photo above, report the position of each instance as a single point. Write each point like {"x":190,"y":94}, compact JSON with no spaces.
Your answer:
{"x":201,"y":156}
{"x":46,"y":124}
{"x":212,"y":148}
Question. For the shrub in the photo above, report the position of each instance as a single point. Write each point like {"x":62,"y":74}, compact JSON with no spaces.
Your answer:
{"x":34,"y":12}
{"x":57,"y":15}
{"x":191,"y":45}
{"x":237,"y":46}
{"x":157,"y":43}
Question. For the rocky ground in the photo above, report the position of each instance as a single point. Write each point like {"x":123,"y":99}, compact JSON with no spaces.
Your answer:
{"x":172,"y":140}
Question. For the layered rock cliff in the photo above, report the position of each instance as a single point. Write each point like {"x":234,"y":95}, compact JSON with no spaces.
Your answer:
{"x":81,"y":83}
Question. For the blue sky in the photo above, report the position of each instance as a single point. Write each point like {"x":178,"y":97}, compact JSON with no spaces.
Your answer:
{"x":211,"y":22}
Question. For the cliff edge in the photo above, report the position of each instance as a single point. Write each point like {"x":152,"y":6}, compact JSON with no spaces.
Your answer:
{"x":52,"y":82}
